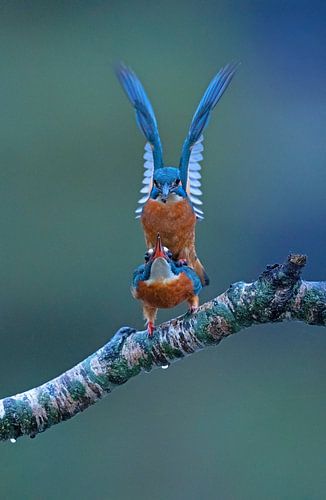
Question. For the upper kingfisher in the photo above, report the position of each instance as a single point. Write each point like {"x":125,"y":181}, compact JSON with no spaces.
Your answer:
{"x":163,"y":282}
{"x":169,"y":202}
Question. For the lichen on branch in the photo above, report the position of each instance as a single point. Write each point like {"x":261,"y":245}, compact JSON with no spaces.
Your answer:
{"x":278,"y":294}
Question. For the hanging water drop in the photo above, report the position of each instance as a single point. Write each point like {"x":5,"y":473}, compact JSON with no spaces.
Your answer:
{"x":12,"y":440}
{"x":164,"y":367}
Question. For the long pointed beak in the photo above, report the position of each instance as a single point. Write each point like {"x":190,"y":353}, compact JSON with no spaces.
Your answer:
{"x":165,"y":192}
{"x":158,"y":250}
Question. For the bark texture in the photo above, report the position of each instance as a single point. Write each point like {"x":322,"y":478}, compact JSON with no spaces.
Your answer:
{"x":278,"y":294}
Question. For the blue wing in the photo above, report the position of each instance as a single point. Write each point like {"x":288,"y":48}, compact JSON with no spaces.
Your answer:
{"x":197,"y":285}
{"x":138,"y":275}
{"x":192,"y":146}
{"x":145,"y":116}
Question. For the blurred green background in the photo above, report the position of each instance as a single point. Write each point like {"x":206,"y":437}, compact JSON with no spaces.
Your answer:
{"x":242,"y":421}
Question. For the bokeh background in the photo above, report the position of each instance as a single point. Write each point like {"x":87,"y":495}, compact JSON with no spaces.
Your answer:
{"x":242,"y":421}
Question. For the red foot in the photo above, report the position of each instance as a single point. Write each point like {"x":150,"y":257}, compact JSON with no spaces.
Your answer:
{"x":150,"y":328}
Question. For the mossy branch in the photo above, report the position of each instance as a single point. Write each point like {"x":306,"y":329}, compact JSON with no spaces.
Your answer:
{"x":278,"y":294}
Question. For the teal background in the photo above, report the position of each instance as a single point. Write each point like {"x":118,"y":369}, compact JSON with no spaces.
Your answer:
{"x":243,"y":421}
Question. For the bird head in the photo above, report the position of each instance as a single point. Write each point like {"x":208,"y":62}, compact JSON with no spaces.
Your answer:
{"x":158,"y":252}
{"x":159,"y":261}
{"x":166,"y":182}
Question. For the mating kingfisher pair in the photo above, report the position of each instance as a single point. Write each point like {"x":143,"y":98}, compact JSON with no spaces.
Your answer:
{"x":169,"y":209}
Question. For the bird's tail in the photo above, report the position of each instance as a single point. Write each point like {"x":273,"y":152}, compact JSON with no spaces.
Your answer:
{"x":200,"y":270}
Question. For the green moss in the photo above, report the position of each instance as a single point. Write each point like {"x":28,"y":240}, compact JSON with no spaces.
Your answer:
{"x":76,"y":389}
{"x":120,"y":372}
{"x":313,"y":308}
{"x":52,"y":412}
{"x":146,"y":362}
{"x":7,"y":429}
{"x":25,"y":416}
{"x":18,"y":418}
{"x":101,"y":380}
{"x":239,"y":295}
{"x":117,"y":372}
{"x":252,"y":303}
{"x":209,"y":329}
{"x":170,"y":352}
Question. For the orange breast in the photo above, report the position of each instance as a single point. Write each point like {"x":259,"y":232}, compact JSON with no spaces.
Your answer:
{"x":175,"y":221}
{"x":167,"y":293}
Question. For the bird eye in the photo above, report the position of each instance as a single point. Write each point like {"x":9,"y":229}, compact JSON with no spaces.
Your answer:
{"x":165,"y":249}
{"x":155,"y":183}
{"x":177,"y":182}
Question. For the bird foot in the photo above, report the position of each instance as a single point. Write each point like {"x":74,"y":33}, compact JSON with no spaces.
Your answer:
{"x":192,"y":309}
{"x":150,"y":328}
{"x":182,"y":262}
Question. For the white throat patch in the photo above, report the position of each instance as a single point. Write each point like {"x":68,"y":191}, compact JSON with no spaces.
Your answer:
{"x":172,"y":198}
{"x":161,"y":270}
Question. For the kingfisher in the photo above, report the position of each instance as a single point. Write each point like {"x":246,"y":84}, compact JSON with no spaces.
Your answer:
{"x":170,"y":202}
{"x":162,"y":282}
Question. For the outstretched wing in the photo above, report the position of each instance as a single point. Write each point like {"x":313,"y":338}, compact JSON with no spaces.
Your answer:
{"x":147,"y":178}
{"x":145,"y":116}
{"x":193,"y":145}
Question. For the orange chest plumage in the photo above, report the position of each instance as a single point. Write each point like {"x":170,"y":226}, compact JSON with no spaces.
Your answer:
{"x":166,"y":293}
{"x":175,"y":221}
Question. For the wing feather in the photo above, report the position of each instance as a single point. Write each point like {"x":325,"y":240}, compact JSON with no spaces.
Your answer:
{"x":145,"y":116}
{"x":192,"y":150}
{"x":193,"y":182}
{"x":147,"y":179}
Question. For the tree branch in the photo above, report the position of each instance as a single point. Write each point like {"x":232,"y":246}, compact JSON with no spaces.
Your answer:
{"x":278,"y":294}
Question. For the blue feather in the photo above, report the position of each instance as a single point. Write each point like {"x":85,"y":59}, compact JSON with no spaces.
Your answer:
{"x":145,"y":116}
{"x":142,"y":273}
{"x":197,"y":286}
{"x":213,"y":94}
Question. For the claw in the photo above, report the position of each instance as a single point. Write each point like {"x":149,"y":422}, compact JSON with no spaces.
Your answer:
{"x":192,"y":309}
{"x":182,"y":262}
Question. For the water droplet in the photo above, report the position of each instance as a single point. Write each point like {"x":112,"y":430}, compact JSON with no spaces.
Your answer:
{"x":164,"y":367}
{"x":13,"y":440}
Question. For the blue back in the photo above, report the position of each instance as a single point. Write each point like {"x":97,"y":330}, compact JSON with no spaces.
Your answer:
{"x":142,"y":273}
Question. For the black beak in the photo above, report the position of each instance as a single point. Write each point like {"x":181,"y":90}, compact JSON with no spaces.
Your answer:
{"x":165,"y":192}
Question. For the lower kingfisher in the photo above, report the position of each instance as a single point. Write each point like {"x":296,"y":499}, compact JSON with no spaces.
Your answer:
{"x":163,"y":282}
{"x":169,"y":204}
